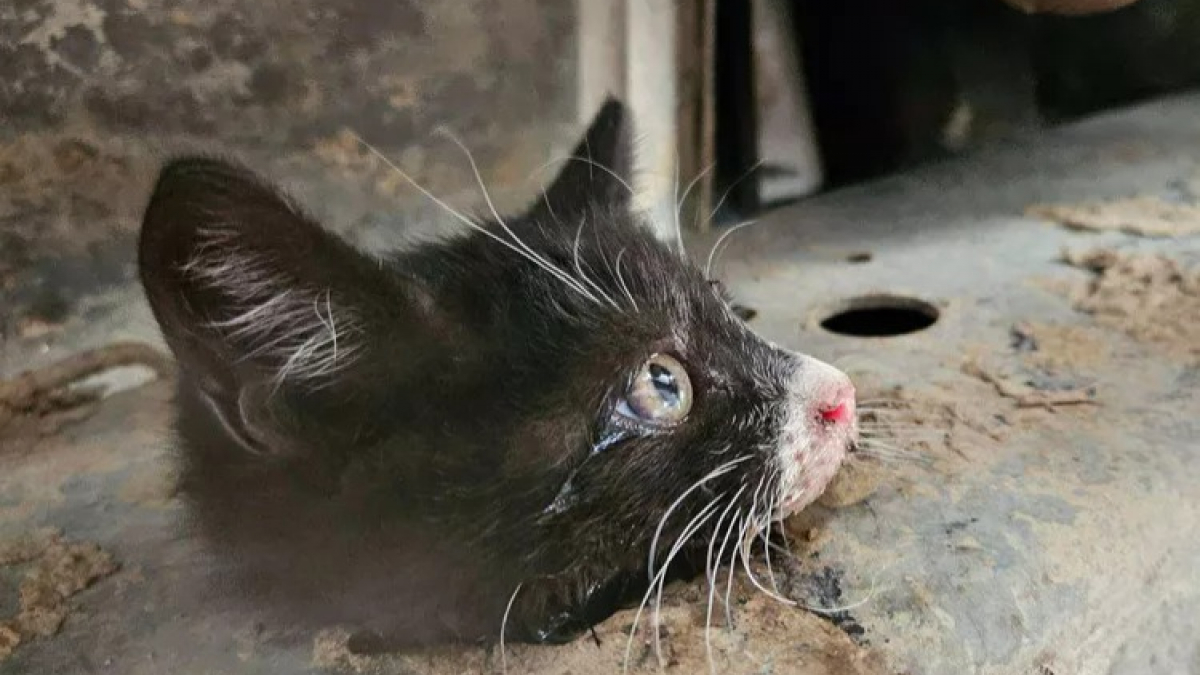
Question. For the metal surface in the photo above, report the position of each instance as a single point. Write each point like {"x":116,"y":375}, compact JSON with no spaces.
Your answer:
{"x":1043,"y":542}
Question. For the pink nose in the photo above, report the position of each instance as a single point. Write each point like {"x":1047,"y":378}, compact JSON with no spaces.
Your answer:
{"x":839,"y":405}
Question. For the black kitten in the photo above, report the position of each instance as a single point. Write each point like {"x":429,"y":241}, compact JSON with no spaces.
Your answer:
{"x":525,"y":417}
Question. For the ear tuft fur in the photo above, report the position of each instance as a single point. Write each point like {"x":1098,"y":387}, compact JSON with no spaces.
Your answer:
{"x":297,"y":327}
{"x":242,"y":282}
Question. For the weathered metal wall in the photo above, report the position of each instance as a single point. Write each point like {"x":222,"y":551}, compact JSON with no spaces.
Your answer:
{"x":95,"y":94}
{"x":291,"y":72}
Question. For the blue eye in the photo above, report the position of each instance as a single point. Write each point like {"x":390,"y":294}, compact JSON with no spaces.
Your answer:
{"x":660,"y":393}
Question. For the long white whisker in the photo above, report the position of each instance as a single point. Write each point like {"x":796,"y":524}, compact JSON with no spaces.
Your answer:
{"x":719,"y":471}
{"x":522,"y":250}
{"x":729,"y":190}
{"x":745,"y":555}
{"x":712,"y":253}
{"x":679,"y":203}
{"x":624,"y":286}
{"x":678,"y":231}
{"x":887,"y":457}
{"x":589,"y":162}
{"x":826,"y":611}
{"x":683,"y":537}
{"x":504,"y":625}
{"x":496,"y":214}
{"x":579,"y":269}
{"x":886,"y":403}
{"x":662,"y":577}
{"x":870,"y":426}
{"x":713,"y":566}
{"x":876,"y":444}
{"x":732,"y":572}
{"x":764,"y":530}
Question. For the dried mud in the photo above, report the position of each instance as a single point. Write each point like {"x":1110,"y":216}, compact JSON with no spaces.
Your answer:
{"x":765,"y":636}
{"x":1141,"y":216}
{"x":58,"y":569}
{"x":1149,"y":296}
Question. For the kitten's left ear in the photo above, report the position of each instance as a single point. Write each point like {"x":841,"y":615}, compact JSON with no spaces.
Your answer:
{"x":599,"y":170}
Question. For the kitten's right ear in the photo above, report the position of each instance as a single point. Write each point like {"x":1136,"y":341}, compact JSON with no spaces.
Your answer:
{"x":251,"y":294}
{"x":600,"y":169}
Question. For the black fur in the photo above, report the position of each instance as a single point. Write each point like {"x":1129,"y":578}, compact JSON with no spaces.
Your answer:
{"x":471,"y":444}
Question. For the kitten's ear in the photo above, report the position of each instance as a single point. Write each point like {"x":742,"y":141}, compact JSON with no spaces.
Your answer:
{"x":251,"y":294}
{"x":599,"y":170}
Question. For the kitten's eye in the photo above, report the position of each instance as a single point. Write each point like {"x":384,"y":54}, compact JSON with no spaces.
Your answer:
{"x":661,"y":394}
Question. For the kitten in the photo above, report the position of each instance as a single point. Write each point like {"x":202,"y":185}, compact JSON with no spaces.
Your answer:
{"x":513,"y":426}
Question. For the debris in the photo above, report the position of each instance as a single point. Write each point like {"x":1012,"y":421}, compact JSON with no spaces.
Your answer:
{"x":1053,"y":348}
{"x":37,"y":392}
{"x":26,"y":548}
{"x":60,"y":569}
{"x":33,"y":327}
{"x":1148,"y":296}
{"x":1142,"y":216}
{"x":1027,"y":395}
{"x":1023,"y":338}
{"x":854,"y":483}
{"x":10,"y":639}
{"x":823,"y":589}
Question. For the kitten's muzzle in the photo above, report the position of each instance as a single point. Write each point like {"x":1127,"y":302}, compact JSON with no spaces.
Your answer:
{"x":818,"y":428}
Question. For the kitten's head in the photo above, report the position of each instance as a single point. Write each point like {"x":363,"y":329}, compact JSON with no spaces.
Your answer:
{"x":552,"y":383}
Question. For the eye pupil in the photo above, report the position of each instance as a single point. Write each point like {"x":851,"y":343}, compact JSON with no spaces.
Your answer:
{"x":664,"y":382}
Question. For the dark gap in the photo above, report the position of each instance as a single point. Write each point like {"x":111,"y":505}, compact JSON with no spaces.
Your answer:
{"x":881,"y":317}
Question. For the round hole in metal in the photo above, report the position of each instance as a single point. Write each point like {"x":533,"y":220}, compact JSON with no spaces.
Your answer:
{"x":881,"y":316}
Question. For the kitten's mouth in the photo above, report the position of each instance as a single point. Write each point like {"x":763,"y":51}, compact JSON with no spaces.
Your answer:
{"x":812,"y":471}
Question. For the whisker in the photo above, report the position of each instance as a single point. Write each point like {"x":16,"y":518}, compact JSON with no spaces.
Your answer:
{"x":678,"y":232}
{"x":520,"y":250}
{"x":828,"y":611}
{"x":492,"y":206}
{"x":715,"y":473}
{"x":503,"y":625}
{"x":915,"y":435}
{"x":761,"y":531}
{"x":733,"y":553}
{"x":683,"y":537}
{"x":579,"y":269}
{"x":585,"y":160}
{"x":886,"y":457}
{"x":679,"y":203}
{"x":765,"y":531}
{"x":888,"y":423}
{"x":729,"y":190}
{"x":624,"y":286}
{"x":745,"y":556}
{"x":712,"y":253}
{"x":662,"y":577}
{"x":875,"y":443}
{"x":713,"y":565}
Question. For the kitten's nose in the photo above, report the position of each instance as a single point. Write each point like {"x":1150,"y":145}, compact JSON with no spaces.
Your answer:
{"x":837,"y":403}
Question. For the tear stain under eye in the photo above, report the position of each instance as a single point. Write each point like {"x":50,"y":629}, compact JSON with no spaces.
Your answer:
{"x":566,"y":497}
{"x":610,"y":439}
